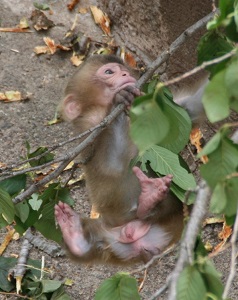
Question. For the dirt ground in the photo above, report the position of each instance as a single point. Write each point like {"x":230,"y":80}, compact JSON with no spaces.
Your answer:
{"x":45,"y":77}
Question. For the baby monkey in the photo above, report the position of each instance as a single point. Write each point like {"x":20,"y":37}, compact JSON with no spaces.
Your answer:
{"x":125,"y":198}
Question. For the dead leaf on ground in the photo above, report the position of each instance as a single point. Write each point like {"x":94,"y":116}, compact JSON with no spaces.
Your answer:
{"x":2,"y":165}
{"x":24,"y":23}
{"x":15,"y":29}
{"x":51,"y":44}
{"x":224,"y":235}
{"x":7,"y":240}
{"x":12,"y":96}
{"x":101,"y":19}
{"x":213,"y":220}
{"x":83,"y":10}
{"x":50,"y":47}
{"x":77,"y":59}
{"x":40,"y":21}
{"x":130,"y":60}
{"x":195,"y":139}
{"x":72,"y":4}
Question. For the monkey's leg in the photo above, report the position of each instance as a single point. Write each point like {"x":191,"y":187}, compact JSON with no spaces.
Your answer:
{"x":153,"y":190}
{"x":72,"y":230}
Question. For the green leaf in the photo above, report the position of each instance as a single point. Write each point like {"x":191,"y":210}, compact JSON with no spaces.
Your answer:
{"x":216,"y":98}
{"x":222,"y":162}
{"x":212,"y":279}
{"x":42,"y":160}
{"x":218,"y":199}
{"x":41,"y":6}
{"x":49,"y":286}
{"x":149,"y":125}
{"x":5,"y":265}
{"x":6,"y":207}
{"x":231,"y":190}
{"x":22,"y":210}
{"x":231,"y":79}
{"x":14,"y":185}
{"x":165,"y":162}
{"x":35,"y":202}
{"x":212,"y":145}
{"x":180,"y":194}
{"x":47,"y":221}
{"x":60,"y":294}
{"x":191,"y":285}
{"x":55,"y":192}
{"x":212,"y":45}
{"x":179,"y":125}
{"x":119,"y":287}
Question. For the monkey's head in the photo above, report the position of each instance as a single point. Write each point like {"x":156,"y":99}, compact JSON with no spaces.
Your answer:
{"x":90,"y":92}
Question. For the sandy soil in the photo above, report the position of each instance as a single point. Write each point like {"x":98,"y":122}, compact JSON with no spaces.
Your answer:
{"x":45,"y":78}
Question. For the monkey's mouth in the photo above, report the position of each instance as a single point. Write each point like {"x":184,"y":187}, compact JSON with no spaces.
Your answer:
{"x":132,"y":82}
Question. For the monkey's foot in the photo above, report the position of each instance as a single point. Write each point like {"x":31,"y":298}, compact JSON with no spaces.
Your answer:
{"x":71,"y":228}
{"x":153,"y":190}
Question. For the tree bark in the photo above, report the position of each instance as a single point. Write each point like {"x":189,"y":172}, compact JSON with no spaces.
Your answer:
{"x":149,"y":27}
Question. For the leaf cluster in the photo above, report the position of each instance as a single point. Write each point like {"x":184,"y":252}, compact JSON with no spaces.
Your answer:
{"x":37,"y":210}
{"x":32,"y":285}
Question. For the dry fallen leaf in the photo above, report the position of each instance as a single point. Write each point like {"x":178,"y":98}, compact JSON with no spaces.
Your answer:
{"x":77,"y":59}
{"x":51,"y":44}
{"x":101,"y":19}
{"x":7,"y":240}
{"x":10,"y":96}
{"x":40,"y":21}
{"x":50,"y":47}
{"x":24,"y":23}
{"x":213,"y":220}
{"x":72,"y":4}
{"x":195,"y":139}
{"x":224,"y":236}
{"x":130,"y":60}
{"x":41,"y":49}
{"x":15,"y":29}
{"x":83,"y":10}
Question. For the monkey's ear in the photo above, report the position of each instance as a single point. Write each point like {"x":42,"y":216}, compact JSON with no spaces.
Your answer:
{"x":71,"y":109}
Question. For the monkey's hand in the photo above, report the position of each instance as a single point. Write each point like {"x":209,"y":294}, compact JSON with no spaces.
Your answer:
{"x":127,"y":95}
{"x":153,"y":190}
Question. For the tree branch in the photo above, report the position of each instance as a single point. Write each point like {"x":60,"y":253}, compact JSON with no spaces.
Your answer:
{"x":192,"y":230}
{"x":174,"y":46}
{"x":71,"y":155}
{"x":234,"y":253}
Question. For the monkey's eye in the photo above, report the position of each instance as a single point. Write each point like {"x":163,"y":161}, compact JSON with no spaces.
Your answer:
{"x":109,"y":71}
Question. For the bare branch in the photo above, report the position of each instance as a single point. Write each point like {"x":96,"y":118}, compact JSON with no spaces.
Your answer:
{"x":192,"y":230}
{"x":234,"y":253}
{"x":200,"y":68}
{"x":7,"y":172}
{"x":70,"y":156}
{"x":174,"y":46}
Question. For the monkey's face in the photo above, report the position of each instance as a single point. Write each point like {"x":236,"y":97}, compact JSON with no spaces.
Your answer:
{"x":115,"y":77}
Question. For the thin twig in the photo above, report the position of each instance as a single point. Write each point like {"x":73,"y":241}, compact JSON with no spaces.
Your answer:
{"x":234,"y":254}
{"x":159,"y":292}
{"x":192,"y":230}
{"x":199,"y":68}
{"x":70,"y":156}
{"x":6,"y":172}
{"x":174,"y":46}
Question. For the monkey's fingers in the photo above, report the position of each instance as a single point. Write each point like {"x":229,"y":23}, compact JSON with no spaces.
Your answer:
{"x":139,"y":174}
